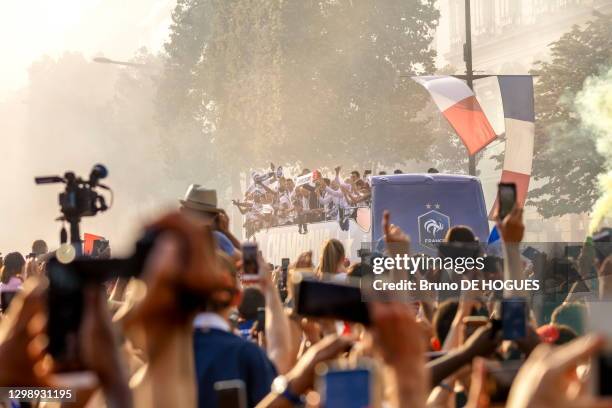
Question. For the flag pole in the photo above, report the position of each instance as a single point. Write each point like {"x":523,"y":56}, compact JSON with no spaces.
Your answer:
{"x":469,"y":73}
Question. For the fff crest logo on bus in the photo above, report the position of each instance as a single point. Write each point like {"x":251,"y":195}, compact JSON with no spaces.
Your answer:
{"x":433,"y":226}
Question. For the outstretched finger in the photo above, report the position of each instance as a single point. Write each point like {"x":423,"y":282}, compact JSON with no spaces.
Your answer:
{"x":386,"y":223}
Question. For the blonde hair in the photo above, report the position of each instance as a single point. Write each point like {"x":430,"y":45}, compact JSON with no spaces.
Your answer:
{"x":331,"y":256}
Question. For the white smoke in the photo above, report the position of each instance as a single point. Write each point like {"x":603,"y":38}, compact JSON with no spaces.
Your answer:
{"x":594,"y":103}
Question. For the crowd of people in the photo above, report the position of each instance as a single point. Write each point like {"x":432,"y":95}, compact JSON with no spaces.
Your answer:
{"x":187,"y":331}
{"x":274,"y":199}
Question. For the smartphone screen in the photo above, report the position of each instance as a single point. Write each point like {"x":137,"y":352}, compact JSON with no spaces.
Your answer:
{"x":249,"y":261}
{"x":347,"y":388}
{"x":65,"y":305}
{"x":330,"y":299}
{"x":261,"y":318}
{"x":231,"y":394}
{"x":506,"y":195}
{"x":99,"y":246}
{"x":514,"y":319}
{"x":604,"y":373}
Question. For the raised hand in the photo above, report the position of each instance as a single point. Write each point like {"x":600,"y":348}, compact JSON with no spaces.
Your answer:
{"x":543,"y":380}
{"x":511,"y":227}
{"x":396,"y":239}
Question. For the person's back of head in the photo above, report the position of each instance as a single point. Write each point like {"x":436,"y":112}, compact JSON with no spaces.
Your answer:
{"x":13,"y":266}
{"x":356,"y":270}
{"x":460,"y":233}
{"x":220,"y":301}
{"x":432,"y":170}
{"x":382,"y":173}
{"x":572,"y":315}
{"x":39,"y":247}
{"x":332,"y":256}
{"x":566,"y":334}
{"x":398,"y":171}
{"x":252,"y":299}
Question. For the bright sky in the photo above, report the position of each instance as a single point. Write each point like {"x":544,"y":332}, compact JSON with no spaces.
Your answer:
{"x":114,"y":28}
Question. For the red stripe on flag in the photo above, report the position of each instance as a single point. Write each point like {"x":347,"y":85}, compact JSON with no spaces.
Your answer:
{"x":471,"y":124}
{"x":522,"y":186}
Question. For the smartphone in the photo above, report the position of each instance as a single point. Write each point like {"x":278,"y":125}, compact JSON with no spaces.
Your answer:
{"x":600,"y":321}
{"x":284,"y":271}
{"x":261,"y":318}
{"x":335,"y":300}
{"x":65,"y":295}
{"x":99,"y":246}
{"x":6,"y":297}
{"x":530,"y":253}
{"x":351,"y":388}
{"x":604,"y":372}
{"x":250,"y":263}
{"x":231,"y":394}
{"x":65,"y":305}
{"x":514,"y":318}
{"x":506,"y":198}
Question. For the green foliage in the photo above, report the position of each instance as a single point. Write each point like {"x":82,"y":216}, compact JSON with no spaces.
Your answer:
{"x":566,"y":160}
{"x":322,"y":81}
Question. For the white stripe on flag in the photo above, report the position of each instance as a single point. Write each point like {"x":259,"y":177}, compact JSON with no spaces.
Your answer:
{"x":446,"y":91}
{"x":519,"y":146}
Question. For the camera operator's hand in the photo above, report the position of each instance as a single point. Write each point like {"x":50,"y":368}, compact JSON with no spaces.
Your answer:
{"x":97,"y":339}
{"x":512,"y":228}
{"x":23,"y":358}
{"x":546,"y":380}
{"x":183,"y":264}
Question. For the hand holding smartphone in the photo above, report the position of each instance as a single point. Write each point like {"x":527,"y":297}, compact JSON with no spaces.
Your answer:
{"x":250,"y":262}
{"x":514,"y":318}
{"x":506,"y":199}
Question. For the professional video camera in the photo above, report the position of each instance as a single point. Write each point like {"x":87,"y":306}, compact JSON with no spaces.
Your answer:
{"x":79,"y":199}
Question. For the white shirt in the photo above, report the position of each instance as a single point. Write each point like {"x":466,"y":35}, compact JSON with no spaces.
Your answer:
{"x":209,"y":320}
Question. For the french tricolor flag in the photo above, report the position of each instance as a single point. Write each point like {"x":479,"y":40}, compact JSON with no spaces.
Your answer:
{"x":458,"y":104}
{"x":460,"y":107}
{"x":519,"y":119}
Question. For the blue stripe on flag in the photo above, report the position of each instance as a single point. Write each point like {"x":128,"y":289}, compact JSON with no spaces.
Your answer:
{"x":493,"y":236}
{"x":517,"y":96}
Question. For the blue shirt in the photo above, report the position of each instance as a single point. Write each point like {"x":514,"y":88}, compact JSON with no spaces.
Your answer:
{"x":220,"y":356}
{"x":224,"y":243}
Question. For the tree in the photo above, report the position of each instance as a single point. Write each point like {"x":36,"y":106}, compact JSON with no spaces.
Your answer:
{"x":320,"y":81}
{"x":79,"y":113}
{"x":566,"y":160}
